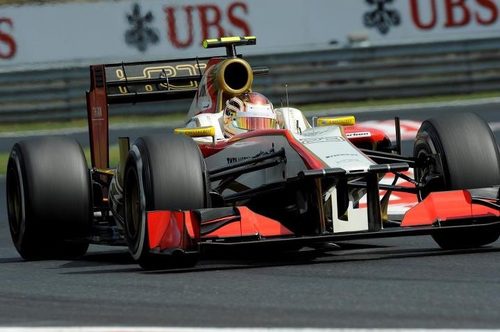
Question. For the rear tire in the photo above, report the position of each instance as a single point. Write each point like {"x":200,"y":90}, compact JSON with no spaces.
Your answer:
{"x":163,"y":172}
{"x":48,"y":197}
{"x":464,"y":155}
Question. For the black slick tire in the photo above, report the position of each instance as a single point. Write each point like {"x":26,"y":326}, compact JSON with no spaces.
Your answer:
{"x":48,"y":198}
{"x":163,"y":172}
{"x":464,"y":155}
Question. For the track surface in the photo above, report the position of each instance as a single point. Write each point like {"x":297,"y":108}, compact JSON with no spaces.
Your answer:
{"x":406,"y":282}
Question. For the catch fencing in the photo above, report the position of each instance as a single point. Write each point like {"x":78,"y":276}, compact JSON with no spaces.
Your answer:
{"x":336,"y":74}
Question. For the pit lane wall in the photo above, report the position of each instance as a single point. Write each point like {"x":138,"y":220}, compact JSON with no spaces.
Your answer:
{"x":325,"y":50}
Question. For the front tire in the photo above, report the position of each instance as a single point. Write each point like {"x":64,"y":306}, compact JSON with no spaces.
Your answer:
{"x":48,"y":197}
{"x":163,"y":172}
{"x":460,"y":152}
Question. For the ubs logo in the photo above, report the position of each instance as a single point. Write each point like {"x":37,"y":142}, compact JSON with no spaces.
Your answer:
{"x":140,"y":34}
{"x":381,"y":17}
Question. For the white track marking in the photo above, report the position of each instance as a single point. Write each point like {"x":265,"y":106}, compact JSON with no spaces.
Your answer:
{"x":409,"y":128}
{"x":399,"y":202}
{"x":226,"y":329}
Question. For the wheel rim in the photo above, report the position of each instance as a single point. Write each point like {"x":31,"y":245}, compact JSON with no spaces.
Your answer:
{"x":426,"y":175}
{"x":133,"y":205}
{"x":14,"y":201}
{"x":421,"y":174}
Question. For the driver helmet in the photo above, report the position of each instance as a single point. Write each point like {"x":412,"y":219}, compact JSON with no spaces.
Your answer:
{"x":247,"y":112}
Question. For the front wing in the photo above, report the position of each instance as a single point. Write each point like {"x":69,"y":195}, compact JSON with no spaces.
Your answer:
{"x":187,"y":231}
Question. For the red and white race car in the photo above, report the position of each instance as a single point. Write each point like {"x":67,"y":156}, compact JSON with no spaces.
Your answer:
{"x":285,"y":185}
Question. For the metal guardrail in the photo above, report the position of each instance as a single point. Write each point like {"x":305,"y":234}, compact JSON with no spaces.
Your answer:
{"x":453,"y":67}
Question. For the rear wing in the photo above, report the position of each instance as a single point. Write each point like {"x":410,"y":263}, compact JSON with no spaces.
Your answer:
{"x":135,"y":82}
{"x":148,"y":81}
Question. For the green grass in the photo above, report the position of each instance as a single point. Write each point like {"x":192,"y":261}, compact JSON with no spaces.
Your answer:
{"x":82,"y":123}
{"x":114,"y":155}
{"x":29,"y":126}
{"x":4,"y":158}
{"x":114,"y":158}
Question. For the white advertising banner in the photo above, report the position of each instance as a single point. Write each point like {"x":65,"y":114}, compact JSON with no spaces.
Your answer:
{"x":155,"y":29}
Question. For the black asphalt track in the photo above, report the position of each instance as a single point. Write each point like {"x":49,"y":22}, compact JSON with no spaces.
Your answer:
{"x":403,"y":282}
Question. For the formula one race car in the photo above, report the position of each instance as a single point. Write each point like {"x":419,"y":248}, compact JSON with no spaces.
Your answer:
{"x":277,"y":180}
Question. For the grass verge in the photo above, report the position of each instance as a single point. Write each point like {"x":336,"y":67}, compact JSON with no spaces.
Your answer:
{"x":114,"y":158}
{"x":82,"y":123}
{"x":4,"y":159}
{"x":145,"y":119}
